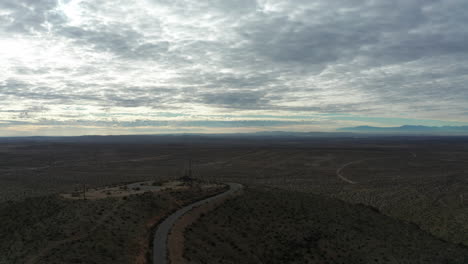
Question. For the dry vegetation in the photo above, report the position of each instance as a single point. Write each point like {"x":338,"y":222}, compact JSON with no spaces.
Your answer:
{"x":52,"y":229}
{"x":274,"y":226}
{"x":419,"y":181}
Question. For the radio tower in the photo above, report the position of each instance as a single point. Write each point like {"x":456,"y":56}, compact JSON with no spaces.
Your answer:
{"x":190,"y":169}
{"x":188,"y":174}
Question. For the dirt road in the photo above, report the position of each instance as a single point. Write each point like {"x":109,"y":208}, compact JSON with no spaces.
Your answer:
{"x":162,"y":232}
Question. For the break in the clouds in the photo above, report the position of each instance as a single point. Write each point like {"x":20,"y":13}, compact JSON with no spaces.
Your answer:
{"x":156,"y":66}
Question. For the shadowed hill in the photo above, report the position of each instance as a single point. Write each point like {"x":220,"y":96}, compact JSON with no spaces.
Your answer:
{"x":272,"y":226}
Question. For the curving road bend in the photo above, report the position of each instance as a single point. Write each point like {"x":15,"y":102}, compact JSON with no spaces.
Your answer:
{"x":162,"y":232}
{"x":339,"y":171}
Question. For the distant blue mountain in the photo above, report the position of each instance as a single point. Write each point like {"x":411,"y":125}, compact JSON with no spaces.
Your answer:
{"x":409,"y":129}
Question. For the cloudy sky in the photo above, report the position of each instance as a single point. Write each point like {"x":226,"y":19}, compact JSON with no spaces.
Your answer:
{"x":73,"y":67}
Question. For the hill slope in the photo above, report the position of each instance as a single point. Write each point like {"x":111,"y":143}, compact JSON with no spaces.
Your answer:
{"x":272,"y":226}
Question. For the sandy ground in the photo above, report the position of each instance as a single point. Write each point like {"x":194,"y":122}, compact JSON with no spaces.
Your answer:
{"x":144,"y":245}
{"x":124,"y":190}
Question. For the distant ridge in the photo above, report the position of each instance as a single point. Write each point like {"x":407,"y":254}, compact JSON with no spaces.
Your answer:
{"x":347,"y":132}
{"x":409,"y":129}
{"x":175,"y":137}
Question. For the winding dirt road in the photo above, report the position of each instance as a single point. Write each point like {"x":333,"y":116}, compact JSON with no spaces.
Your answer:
{"x":163,"y":230}
{"x":339,"y":171}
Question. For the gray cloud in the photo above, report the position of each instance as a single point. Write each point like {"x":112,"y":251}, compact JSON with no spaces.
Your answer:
{"x":29,"y":15}
{"x":327,"y":56}
{"x":242,"y":100}
{"x":117,"y":39}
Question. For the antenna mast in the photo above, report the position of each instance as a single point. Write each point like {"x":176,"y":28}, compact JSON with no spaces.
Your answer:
{"x":190,"y":168}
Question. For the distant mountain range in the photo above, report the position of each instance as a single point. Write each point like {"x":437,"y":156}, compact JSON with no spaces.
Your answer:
{"x":176,"y":138}
{"x":346,"y":132}
{"x":408,"y":129}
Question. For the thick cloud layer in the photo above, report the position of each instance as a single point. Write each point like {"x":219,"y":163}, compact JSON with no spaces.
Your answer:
{"x":167,"y":65}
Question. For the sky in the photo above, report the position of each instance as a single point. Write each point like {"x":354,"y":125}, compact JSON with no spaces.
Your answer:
{"x":80,"y":67}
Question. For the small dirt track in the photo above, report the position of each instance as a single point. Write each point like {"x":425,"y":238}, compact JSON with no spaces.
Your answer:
{"x":339,"y":171}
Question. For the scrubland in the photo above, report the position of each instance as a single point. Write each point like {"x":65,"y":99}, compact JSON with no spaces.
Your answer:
{"x":52,"y":229}
{"x":275,"y":226}
{"x":415,"y":186}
